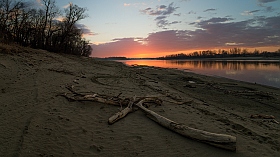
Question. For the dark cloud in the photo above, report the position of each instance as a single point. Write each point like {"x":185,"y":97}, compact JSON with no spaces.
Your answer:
{"x":162,"y":7}
{"x":212,"y":20}
{"x":266,"y":1}
{"x":249,"y":12}
{"x":262,"y":3}
{"x":170,"y":9}
{"x":256,"y":32}
{"x":216,"y":20}
{"x":162,"y":12}
{"x":269,"y":9}
{"x":84,"y":29}
{"x":160,"y":18}
{"x":118,"y":47}
{"x":162,"y":23}
{"x":209,"y":10}
{"x":178,"y":14}
{"x":147,"y":9}
{"x":175,"y":22}
{"x":191,"y":12}
{"x":254,"y":11}
{"x":162,"y":40}
{"x":210,"y":34}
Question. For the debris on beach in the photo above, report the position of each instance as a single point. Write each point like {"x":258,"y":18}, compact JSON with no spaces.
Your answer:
{"x":224,"y":141}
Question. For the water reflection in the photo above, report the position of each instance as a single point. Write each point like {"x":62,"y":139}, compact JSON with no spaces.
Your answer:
{"x":265,"y":72}
{"x":230,"y":65}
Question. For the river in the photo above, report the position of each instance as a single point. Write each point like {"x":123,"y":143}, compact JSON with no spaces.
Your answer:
{"x":265,"y":72}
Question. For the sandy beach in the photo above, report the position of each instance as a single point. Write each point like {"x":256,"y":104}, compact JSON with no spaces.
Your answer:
{"x":36,"y":121}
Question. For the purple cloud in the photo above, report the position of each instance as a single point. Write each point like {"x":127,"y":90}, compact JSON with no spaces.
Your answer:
{"x":249,"y":12}
{"x":266,"y":1}
{"x":84,"y":29}
{"x":160,"y":18}
{"x":175,"y":22}
{"x":216,"y":20}
{"x":191,"y":12}
{"x":254,"y":11}
{"x":116,"y":48}
{"x":269,"y":9}
{"x":162,"y":12}
{"x":179,"y":14}
{"x":209,"y":10}
{"x":162,"y":7}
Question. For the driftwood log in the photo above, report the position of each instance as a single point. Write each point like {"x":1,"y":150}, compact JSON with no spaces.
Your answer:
{"x":219,"y":140}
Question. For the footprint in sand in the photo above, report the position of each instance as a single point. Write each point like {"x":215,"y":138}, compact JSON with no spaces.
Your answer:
{"x":137,"y":138}
{"x":96,"y":149}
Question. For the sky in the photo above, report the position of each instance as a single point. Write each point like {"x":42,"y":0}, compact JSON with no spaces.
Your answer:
{"x":155,"y":28}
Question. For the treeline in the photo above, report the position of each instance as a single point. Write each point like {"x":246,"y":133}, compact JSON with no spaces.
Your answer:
{"x":44,"y":27}
{"x":235,"y":52}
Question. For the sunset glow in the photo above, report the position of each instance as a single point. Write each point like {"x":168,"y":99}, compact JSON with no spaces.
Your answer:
{"x":155,"y":28}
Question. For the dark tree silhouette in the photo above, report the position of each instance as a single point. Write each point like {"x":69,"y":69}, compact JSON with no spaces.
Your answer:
{"x":38,"y":28}
{"x":234,"y":52}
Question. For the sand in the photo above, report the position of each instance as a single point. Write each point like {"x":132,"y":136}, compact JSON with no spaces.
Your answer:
{"x":37,"y":122}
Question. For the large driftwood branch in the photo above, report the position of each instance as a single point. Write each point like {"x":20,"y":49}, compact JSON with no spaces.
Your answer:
{"x":219,"y":140}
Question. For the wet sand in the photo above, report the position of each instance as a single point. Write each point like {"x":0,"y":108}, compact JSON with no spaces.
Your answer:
{"x":37,"y":122}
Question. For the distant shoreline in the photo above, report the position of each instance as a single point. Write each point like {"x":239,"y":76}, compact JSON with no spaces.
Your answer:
{"x":276,"y":59}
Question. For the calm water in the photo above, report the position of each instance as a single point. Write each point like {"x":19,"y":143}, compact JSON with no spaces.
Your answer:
{"x":261,"y":72}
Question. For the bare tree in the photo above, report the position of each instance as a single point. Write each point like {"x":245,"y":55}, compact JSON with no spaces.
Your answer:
{"x":8,"y":12}
{"x":51,"y":12}
{"x":73,"y":14}
{"x":39,"y":28}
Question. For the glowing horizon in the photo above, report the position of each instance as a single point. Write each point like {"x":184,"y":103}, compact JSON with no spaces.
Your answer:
{"x":150,"y":54}
{"x":155,"y":28}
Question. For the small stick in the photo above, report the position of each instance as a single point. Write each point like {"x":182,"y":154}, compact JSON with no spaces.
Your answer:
{"x":122,"y":113}
{"x":262,"y":116}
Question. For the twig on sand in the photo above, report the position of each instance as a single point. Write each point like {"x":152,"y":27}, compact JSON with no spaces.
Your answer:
{"x":123,"y":112}
{"x":262,"y":116}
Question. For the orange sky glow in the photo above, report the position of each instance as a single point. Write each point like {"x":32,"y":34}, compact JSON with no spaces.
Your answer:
{"x":157,"y":29}
{"x":153,"y":53}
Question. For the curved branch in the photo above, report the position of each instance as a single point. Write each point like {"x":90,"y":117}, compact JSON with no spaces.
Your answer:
{"x":219,"y":140}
